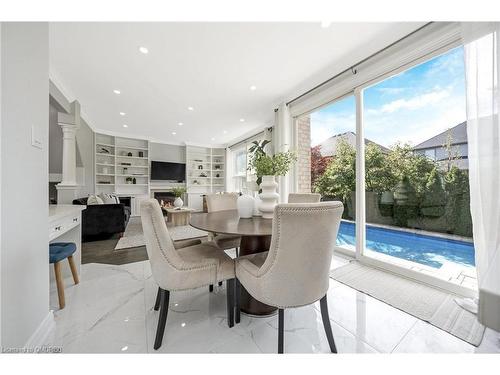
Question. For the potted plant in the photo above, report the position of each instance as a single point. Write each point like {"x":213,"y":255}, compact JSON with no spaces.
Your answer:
{"x":128,"y":180}
{"x":256,"y":151}
{"x":178,"y":192}
{"x":267,"y":168}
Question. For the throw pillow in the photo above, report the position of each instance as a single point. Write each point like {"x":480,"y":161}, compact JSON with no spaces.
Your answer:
{"x":94,"y":199}
{"x":108,"y":198}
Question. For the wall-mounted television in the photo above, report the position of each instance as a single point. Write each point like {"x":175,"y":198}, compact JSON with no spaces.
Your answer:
{"x":161,"y":170}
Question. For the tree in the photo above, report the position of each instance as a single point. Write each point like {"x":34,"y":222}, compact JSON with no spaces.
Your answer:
{"x":434,"y":201}
{"x":319,"y":163}
{"x":404,"y":162}
{"x":378,"y":174}
{"x":452,"y":153}
{"x":384,"y":171}
{"x":339,"y":179}
{"x":458,"y":214}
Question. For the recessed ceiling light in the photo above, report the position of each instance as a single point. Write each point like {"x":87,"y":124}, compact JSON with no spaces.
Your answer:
{"x":117,"y":92}
{"x":253,"y":88}
{"x":125,"y":126}
{"x":122,"y":113}
{"x":225,"y":131}
{"x":181,"y":123}
{"x":213,"y":139}
{"x":242,"y":120}
{"x":325,"y":24}
{"x":143,"y":50}
{"x":190,"y":109}
{"x":174,"y":133}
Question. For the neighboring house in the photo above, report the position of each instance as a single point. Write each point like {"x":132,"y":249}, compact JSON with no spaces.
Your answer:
{"x":329,"y":146}
{"x":436,"y":148}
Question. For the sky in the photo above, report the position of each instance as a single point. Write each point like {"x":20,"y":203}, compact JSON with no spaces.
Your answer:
{"x":412,"y":106}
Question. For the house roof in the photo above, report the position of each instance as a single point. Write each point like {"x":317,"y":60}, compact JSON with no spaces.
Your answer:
{"x":329,"y":146}
{"x":458,"y":136}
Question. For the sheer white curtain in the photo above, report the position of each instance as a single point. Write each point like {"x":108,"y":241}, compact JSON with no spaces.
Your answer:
{"x":482,"y":50}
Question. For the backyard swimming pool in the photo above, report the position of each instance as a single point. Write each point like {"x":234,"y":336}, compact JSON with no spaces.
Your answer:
{"x":428,"y":250}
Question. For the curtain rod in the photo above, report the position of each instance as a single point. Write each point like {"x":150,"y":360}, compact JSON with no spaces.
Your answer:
{"x":248,"y":138}
{"x":352,"y":68}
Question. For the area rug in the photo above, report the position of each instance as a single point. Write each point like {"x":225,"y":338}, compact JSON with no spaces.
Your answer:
{"x":432,"y":305}
{"x":134,"y":237}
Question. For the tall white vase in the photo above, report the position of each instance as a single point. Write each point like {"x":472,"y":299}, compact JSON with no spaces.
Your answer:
{"x":269,"y":196}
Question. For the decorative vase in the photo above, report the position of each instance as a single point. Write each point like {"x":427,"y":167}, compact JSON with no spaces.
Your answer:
{"x":178,"y":203}
{"x":245,"y":205}
{"x":269,"y":196}
{"x":258,"y":201}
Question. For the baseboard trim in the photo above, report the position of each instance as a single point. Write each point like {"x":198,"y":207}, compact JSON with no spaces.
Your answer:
{"x":41,"y":334}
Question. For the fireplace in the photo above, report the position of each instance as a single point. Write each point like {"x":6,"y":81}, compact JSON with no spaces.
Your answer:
{"x":165,"y":198}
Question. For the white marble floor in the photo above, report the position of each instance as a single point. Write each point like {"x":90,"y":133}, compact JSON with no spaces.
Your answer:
{"x":111,"y":311}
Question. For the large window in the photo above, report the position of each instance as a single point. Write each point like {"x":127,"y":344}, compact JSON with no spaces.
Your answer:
{"x":241,"y":177}
{"x":416,"y":201}
{"x":240,"y":162}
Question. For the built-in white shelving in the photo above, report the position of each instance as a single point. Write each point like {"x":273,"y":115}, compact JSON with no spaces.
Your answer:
{"x":205,"y":173}
{"x":118,"y":161}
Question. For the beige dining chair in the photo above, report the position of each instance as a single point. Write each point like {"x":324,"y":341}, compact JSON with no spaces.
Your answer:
{"x":295,"y":270}
{"x":304,"y":197}
{"x":182,"y":269}
{"x":224,"y":202}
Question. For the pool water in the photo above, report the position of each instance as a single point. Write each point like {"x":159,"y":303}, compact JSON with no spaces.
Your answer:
{"x":423,"y":249}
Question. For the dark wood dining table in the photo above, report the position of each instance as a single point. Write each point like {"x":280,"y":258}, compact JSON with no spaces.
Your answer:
{"x":255,"y":235}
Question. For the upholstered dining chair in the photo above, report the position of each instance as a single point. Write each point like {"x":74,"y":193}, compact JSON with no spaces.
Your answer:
{"x":182,"y":269}
{"x":295,"y":270}
{"x":223,"y":202}
{"x":177,"y":245}
{"x":304,"y":197}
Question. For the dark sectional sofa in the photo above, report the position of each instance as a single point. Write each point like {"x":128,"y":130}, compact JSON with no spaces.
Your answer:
{"x":103,"y":220}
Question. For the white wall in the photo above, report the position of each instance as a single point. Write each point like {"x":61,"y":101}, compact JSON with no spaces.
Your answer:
{"x":24,"y":272}
{"x":169,"y":153}
{"x":55,"y":142}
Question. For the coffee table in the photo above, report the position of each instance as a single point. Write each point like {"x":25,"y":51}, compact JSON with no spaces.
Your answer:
{"x":179,"y":216}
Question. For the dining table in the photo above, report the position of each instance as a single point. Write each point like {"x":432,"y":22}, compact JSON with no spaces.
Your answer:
{"x":255,"y":235}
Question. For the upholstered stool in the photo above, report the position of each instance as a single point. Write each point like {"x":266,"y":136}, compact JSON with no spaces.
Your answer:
{"x":59,"y":251}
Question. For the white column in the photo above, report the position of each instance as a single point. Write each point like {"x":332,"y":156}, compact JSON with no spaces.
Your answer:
{"x":69,"y":123}
{"x":69,"y":149}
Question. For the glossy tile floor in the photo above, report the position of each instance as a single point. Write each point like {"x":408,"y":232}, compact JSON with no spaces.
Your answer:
{"x":111,"y":311}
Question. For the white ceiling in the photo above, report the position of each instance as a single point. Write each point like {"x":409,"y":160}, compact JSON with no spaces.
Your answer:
{"x":209,"y":66}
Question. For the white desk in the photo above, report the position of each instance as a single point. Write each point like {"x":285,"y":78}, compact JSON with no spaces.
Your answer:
{"x":65,"y":226}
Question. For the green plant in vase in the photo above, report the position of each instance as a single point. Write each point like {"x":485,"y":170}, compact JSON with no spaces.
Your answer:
{"x":178,"y":193}
{"x":267,"y":168}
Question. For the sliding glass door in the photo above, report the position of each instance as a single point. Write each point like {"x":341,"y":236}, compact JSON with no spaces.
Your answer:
{"x":395,"y":153}
{"x":416,"y":189}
